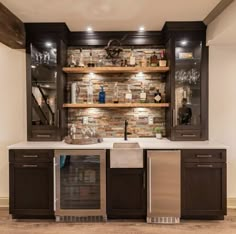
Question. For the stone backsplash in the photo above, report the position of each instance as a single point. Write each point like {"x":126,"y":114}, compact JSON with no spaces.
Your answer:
{"x":110,"y":122}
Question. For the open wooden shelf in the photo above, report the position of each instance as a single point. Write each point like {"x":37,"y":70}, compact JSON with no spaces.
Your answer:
{"x":115,"y":69}
{"x":116,"y":105}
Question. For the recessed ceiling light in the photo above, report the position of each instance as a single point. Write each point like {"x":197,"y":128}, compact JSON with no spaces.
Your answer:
{"x":184,"y":42}
{"x":89,"y":29}
{"x":48,"y":44}
{"x":141,"y":29}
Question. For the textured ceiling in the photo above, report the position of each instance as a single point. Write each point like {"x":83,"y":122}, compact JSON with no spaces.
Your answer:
{"x":111,"y":15}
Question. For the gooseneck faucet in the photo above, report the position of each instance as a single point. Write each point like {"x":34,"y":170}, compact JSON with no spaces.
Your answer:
{"x":125,"y":132}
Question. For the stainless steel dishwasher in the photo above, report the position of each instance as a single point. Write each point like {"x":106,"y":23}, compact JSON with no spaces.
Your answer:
{"x":163,"y":187}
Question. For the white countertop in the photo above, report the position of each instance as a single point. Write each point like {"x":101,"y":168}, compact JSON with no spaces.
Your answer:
{"x":145,"y":143}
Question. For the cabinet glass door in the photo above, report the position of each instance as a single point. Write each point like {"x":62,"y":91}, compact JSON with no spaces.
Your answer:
{"x":187,"y":84}
{"x":80,"y":182}
{"x":44,"y":82}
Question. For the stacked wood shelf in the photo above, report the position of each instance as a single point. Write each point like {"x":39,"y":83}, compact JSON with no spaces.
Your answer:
{"x":85,"y":70}
{"x":116,"y":105}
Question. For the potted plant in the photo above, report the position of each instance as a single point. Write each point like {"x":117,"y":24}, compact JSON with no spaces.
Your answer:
{"x":158,"y":132}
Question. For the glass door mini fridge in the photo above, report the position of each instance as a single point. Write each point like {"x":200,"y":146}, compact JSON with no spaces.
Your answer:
{"x":80,"y":185}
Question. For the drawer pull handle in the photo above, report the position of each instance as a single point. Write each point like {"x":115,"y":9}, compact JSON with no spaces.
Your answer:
{"x":204,"y":165}
{"x":30,"y":156}
{"x":189,"y":135}
{"x":43,"y":136}
{"x":31,"y":166}
{"x":204,"y":156}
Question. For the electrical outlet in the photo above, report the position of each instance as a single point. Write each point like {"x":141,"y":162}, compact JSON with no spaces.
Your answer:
{"x":150,"y":120}
{"x":85,"y":120}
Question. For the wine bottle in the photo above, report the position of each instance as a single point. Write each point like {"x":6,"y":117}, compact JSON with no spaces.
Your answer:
{"x":157,"y":96}
{"x":102,"y":95}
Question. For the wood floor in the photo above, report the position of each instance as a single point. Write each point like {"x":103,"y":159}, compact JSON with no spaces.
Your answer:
{"x":9,"y":226}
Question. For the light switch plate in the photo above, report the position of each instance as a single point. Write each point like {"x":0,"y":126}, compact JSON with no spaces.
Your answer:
{"x":150,"y":120}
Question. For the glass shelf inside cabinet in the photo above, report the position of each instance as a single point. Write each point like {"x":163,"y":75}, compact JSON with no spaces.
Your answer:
{"x":44,"y":82}
{"x":187,"y":83}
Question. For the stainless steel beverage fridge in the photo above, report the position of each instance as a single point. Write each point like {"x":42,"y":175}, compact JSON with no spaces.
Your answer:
{"x":80,"y":185}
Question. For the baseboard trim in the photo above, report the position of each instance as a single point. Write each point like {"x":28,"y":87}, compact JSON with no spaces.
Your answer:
{"x":4,"y":202}
{"x":231,"y":202}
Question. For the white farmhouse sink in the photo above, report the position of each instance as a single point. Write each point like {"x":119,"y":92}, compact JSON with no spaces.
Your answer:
{"x":126,"y":155}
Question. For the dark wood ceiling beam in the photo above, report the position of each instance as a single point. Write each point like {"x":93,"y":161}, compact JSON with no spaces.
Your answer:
{"x":12,"y":30}
{"x":219,"y":8}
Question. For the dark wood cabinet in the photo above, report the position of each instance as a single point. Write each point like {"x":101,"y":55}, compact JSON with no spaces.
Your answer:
{"x":31,"y":183}
{"x":203,"y":184}
{"x":46,"y":46}
{"x":126,"y":193}
{"x":187,"y":83}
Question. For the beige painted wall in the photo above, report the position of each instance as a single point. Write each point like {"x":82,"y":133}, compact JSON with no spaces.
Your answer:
{"x":222,"y":108}
{"x":222,"y":30}
{"x":13,"y":107}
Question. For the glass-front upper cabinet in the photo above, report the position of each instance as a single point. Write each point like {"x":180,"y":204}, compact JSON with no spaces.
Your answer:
{"x":46,"y":55}
{"x":44,"y":83}
{"x":187,"y":83}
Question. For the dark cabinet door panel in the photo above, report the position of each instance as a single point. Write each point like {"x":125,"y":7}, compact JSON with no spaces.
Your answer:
{"x":31,"y":188}
{"x":203,"y":189}
{"x":126,"y":193}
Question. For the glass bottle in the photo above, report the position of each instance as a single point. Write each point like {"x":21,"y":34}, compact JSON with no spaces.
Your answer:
{"x":116,"y":93}
{"x":102,"y":95}
{"x":128,"y":95}
{"x":143,"y":94}
{"x":132,"y":59}
{"x":90,"y":92}
{"x":81,"y":58}
{"x":91,"y":63}
{"x":144,"y":61}
{"x":157,"y":96}
{"x":153,"y":60}
{"x":75,"y":90}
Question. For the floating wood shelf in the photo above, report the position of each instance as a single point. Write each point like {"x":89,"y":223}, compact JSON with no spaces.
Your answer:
{"x":116,"y":105}
{"x":115,"y":69}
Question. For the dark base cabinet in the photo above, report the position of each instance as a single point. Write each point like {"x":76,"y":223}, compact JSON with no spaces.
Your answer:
{"x":203,"y":184}
{"x":31,"y":183}
{"x":126,"y":193}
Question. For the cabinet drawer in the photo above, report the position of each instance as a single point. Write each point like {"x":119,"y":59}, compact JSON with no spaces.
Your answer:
{"x":188,"y":134}
{"x":31,"y":155}
{"x":44,"y":135}
{"x":204,"y":155}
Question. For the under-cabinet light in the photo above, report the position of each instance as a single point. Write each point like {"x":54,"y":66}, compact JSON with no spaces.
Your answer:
{"x":184,"y":42}
{"x":141,"y":29}
{"x":48,"y":44}
{"x":89,"y":29}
